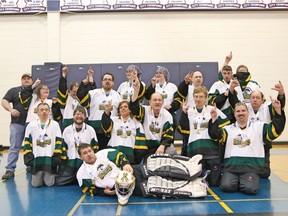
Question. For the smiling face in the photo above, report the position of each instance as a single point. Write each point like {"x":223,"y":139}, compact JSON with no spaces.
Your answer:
{"x":79,"y":117}
{"x":124,"y":110}
{"x":156,"y":102}
{"x":43,"y":92}
{"x":241,"y":114}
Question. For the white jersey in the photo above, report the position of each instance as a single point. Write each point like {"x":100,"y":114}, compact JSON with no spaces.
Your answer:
{"x":32,"y":110}
{"x":167,"y":91}
{"x":70,"y":106}
{"x":73,"y":138}
{"x":126,"y":90}
{"x":244,"y":96}
{"x":263,"y":114}
{"x":245,"y":143}
{"x":44,"y":140}
{"x":103,"y":172}
{"x":222,"y":87}
{"x":198,"y":122}
{"x":153,"y":127}
{"x":98,"y":101}
{"x":124,"y":133}
{"x":189,"y":98}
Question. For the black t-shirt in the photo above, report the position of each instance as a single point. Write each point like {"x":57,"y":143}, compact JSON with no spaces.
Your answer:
{"x":13,"y":97}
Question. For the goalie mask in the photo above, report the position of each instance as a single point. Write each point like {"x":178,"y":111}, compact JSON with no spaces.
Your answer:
{"x":124,"y":186}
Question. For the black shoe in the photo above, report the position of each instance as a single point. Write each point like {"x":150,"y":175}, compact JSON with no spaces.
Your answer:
{"x":8,"y":175}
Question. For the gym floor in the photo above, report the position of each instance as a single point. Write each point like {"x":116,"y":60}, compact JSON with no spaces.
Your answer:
{"x":18,"y":197}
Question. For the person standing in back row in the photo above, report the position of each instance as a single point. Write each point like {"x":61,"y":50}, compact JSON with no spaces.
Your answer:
{"x":17,"y":125}
{"x":96,"y":100}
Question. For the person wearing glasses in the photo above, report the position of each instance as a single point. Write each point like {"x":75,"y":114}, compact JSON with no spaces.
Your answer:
{"x":96,"y":100}
{"x":194,"y":122}
{"x":184,"y":95}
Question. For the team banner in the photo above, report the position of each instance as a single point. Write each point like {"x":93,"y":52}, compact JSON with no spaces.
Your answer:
{"x":23,"y":6}
{"x":113,"y":5}
{"x":35,"y":6}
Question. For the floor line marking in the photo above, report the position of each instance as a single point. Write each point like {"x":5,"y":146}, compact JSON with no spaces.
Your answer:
{"x":77,"y":205}
{"x":223,"y":204}
{"x":16,"y":174}
{"x":119,"y":210}
{"x":188,"y":201}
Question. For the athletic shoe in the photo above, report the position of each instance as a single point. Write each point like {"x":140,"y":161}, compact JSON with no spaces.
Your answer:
{"x":8,"y":175}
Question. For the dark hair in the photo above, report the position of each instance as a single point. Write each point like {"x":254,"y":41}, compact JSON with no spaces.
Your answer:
{"x":227,"y":68}
{"x":39,"y":89}
{"x":107,"y":73}
{"x":79,"y":109}
{"x":120,"y":104}
{"x":83,"y":146}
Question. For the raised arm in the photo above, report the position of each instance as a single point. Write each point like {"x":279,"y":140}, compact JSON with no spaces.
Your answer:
{"x":62,"y":91}
{"x":281,"y":93}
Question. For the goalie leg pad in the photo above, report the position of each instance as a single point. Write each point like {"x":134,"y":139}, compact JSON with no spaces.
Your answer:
{"x":159,"y":186}
{"x":177,"y":167}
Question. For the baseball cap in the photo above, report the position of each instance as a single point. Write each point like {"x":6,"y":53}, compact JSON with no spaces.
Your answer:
{"x":26,"y":75}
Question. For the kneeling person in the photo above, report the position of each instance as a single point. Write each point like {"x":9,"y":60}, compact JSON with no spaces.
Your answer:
{"x":73,"y":136}
{"x":43,"y":147}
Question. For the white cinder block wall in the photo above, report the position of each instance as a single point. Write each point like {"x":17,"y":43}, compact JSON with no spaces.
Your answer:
{"x":258,"y":39}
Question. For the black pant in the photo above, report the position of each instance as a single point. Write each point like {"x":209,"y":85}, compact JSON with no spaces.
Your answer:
{"x":139,"y":179}
{"x":184,"y":145}
{"x":102,"y":140}
{"x":214,"y":165}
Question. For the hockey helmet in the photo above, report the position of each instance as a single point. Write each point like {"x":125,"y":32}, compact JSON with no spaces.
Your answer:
{"x":125,"y":184}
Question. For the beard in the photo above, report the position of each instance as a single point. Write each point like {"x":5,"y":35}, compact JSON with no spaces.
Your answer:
{"x":79,"y":122}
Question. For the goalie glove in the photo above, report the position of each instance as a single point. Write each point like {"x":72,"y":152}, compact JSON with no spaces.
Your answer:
{"x":173,"y":167}
{"x":159,"y":186}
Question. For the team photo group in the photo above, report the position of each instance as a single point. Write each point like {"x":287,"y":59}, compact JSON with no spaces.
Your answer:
{"x":121,"y":142}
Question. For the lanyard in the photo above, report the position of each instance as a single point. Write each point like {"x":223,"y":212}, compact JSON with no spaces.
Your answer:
{"x":77,"y":135}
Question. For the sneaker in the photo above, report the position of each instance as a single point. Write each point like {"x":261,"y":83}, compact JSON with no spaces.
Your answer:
{"x":8,"y":175}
